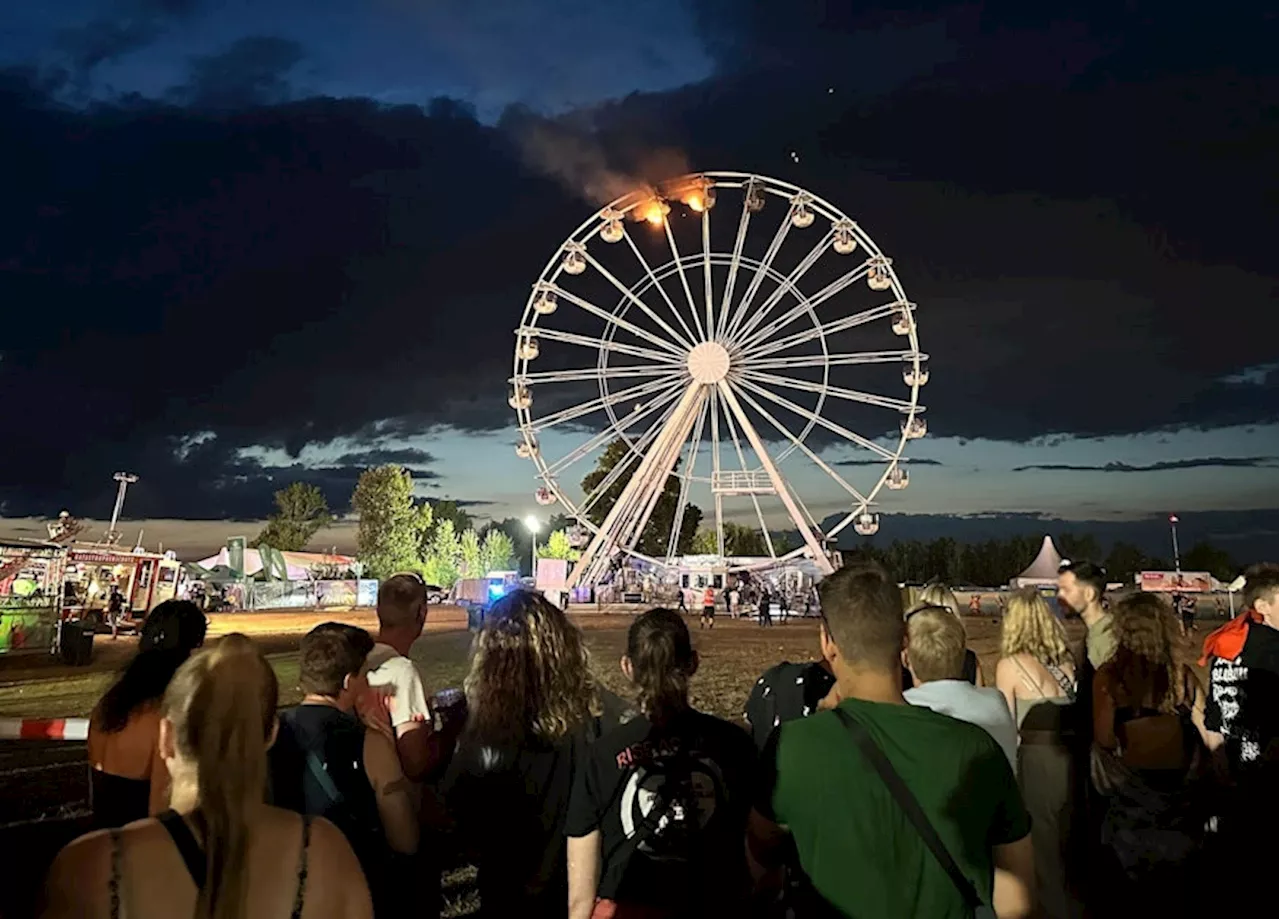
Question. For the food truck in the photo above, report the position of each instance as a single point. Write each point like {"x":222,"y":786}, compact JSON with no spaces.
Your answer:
{"x":31,"y":574}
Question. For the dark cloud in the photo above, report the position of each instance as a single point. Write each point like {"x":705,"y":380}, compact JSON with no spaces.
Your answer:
{"x":129,"y":26}
{"x":379,"y":457}
{"x":253,"y":71}
{"x":877,"y":462}
{"x":294,"y":272}
{"x":1220,"y":462}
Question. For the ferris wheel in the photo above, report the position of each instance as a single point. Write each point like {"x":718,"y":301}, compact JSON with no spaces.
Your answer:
{"x":713,"y":361}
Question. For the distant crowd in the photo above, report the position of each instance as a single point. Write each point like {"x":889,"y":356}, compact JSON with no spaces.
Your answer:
{"x":883,"y":780}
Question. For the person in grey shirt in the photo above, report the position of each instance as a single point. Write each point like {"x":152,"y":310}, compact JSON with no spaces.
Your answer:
{"x":935,"y":657}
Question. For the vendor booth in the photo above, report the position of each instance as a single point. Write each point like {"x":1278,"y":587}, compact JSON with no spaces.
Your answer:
{"x":31,"y":579}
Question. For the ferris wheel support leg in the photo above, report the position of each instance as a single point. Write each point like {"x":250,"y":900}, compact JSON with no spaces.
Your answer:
{"x":638,"y":494}
{"x":779,"y":486}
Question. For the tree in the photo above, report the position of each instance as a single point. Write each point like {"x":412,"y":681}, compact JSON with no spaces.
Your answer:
{"x":1205,"y":556}
{"x":390,"y":523}
{"x":557,"y":546}
{"x":657,"y":531}
{"x":1124,"y":561}
{"x":440,"y":565}
{"x":472,"y":555}
{"x":704,"y":543}
{"x":449,"y":510}
{"x":741,"y":541}
{"x":301,"y":512}
{"x":497,"y":553}
{"x":424,"y":520}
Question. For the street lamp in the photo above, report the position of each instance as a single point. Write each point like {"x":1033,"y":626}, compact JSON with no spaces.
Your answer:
{"x":1173,"y":530}
{"x":533,"y":526}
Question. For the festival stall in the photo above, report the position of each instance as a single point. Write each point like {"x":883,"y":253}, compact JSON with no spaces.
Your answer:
{"x":31,"y":583}
{"x":1043,"y":571}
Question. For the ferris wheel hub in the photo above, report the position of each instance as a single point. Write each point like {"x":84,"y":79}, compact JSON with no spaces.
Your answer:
{"x":708,"y":362}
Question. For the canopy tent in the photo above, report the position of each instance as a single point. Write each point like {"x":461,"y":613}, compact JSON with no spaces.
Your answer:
{"x":299,"y":564}
{"x":1043,"y":572}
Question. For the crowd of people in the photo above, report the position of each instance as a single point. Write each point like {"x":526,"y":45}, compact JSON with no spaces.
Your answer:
{"x":883,"y":780}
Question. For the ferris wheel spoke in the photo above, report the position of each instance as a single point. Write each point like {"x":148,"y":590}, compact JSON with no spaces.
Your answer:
{"x":706,"y":270}
{"x":684,"y":280}
{"x":851,"y":395}
{"x":807,"y":305}
{"x":621,"y":323}
{"x":686,"y":479}
{"x":804,"y":448}
{"x":644,"y":307}
{"x":835,"y":326}
{"x":589,"y":500}
{"x":653,"y":280}
{"x":818,"y":419}
{"x":742,"y":461}
{"x":595,"y":344}
{"x":717,"y":498}
{"x":672,"y":371}
{"x":610,"y":433}
{"x":779,"y":485}
{"x":834,"y":360}
{"x":723,"y":319}
{"x":595,"y":405}
{"x":789,"y":284}
{"x":762,"y":270}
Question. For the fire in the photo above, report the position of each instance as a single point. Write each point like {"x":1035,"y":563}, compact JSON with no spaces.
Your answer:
{"x":653,"y":213}
{"x":695,"y":202}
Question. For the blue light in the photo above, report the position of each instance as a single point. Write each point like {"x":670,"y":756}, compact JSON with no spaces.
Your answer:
{"x":497,"y":591}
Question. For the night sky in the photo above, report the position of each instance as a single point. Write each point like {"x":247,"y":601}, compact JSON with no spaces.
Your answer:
{"x":245,"y":243}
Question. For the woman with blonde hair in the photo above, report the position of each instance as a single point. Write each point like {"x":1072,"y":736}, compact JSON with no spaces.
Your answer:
{"x":219,"y":852}
{"x":936,"y":595}
{"x":1148,"y":727}
{"x":532,"y":706}
{"x":1037,"y":675}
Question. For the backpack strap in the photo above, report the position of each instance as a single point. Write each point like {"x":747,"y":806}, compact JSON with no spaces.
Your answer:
{"x":323,"y":779}
{"x":910,"y":806}
{"x":185,"y":841}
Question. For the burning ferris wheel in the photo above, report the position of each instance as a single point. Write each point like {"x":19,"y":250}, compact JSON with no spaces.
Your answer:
{"x":743,"y":344}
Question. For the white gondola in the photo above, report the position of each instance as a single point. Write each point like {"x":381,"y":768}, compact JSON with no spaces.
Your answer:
{"x":801,"y":217}
{"x":529,"y":349}
{"x":902,"y":322}
{"x":574,"y":262}
{"x":526,"y":450}
{"x":844,"y":242}
{"x":915,"y":428}
{"x":611,"y":232}
{"x":915,"y":372}
{"x":544,"y":496}
{"x":520,"y":398}
{"x":898,"y":479}
{"x":753,"y":200}
{"x":545,"y":303}
{"x":867,"y":524}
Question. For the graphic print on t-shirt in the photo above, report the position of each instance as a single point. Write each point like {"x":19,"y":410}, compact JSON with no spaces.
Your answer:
{"x":668,"y":799}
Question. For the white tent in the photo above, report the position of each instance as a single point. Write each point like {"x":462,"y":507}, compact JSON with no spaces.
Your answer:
{"x":1043,"y":572}
{"x":299,"y":564}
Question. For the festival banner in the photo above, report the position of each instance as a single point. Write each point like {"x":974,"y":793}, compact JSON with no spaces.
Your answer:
{"x":1176,"y":581}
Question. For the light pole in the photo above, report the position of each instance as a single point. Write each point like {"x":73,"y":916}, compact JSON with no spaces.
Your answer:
{"x":532,"y":525}
{"x":124,"y":480}
{"x":1173,"y":530}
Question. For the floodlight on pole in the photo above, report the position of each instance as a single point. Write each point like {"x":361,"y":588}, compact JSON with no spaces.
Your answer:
{"x":123,"y":481}
{"x":532,"y":524}
{"x":1173,"y":530}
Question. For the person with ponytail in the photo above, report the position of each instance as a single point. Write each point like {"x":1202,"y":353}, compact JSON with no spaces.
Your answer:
{"x":659,"y":807}
{"x":219,"y":851}
{"x":127,"y":773}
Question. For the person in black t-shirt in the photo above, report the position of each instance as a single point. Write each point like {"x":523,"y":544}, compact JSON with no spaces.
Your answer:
{"x":658,"y":813}
{"x":533,"y":707}
{"x":328,"y":761}
{"x":784,"y":693}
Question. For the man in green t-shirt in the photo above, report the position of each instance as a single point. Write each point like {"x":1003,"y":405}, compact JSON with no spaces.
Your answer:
{"x":856,"y":846}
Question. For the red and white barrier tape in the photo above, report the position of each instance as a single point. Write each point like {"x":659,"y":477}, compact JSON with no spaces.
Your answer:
{"x":44,"y":728}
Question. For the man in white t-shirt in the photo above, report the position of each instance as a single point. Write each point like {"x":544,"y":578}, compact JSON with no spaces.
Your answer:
{"x":402,"y":613}
{"x":935,"y":657}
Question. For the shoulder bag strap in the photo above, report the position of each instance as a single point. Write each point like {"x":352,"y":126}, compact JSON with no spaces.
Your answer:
{"x":910,"y":806}
{"x":323,"y":779}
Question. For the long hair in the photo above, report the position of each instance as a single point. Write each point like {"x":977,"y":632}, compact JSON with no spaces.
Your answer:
{"x":662,"y":661}
{"x":1149,"y":662}
{"x":171,"y":632}
{"x":1030,"y":627}
{"x":222,"y":703}
{"x":935,"y":593}
{"x":530,"y":674}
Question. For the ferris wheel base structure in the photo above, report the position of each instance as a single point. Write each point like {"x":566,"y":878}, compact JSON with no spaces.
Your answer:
{"x":704,"y":374}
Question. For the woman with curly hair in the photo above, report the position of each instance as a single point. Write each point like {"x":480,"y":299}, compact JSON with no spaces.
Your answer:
{"x":1148,"y":725}
{"x":1037,"y":675}
{"x":532,"y":706}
